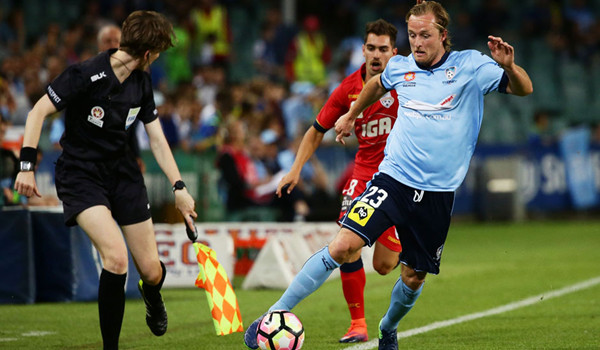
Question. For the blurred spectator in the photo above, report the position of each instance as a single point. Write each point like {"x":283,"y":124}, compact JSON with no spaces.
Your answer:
{"x":492,"y":18}
{"x":109,"y":37}
{"x":204,"y":133}
{"x":177,"y":59}
{"x":297,"y":110}
{"x":581,"y":29}
{"x":595,"y":139}
{"x":8,"y":104}
{"x":12,"y":32}
{"x":188,"y":118}
{"x":239,"y":176}
{"x":264,"y":53}
{"x":212,"y":36}
{"x":9,"y":168}
{"x":542,"y":133}
{"x":536,"y":19}
{"x":166,"y":115}
{"x":308,"y":54}
{"x":463,"y":33}
{"x":208,"y":81}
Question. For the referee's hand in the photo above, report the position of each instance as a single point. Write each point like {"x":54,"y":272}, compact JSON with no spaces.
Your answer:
{"x":25,"y":184}
{"x":185,"y":204}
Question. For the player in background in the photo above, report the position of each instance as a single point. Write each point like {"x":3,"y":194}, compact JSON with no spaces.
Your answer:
{"x":97,"y":178}
{"x":371,"y":129}
{"x":426,"y":158}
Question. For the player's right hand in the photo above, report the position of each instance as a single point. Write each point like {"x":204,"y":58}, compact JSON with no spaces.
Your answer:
{"x":343,"y":128}
{"x":25,"y":184}
{"x":290,"y":179}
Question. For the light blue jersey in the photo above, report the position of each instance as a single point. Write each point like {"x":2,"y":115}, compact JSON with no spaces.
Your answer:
{"x":439,"y":118}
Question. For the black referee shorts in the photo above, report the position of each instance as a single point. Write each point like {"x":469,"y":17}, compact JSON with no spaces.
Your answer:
{"x":422,"y":219}
{"x":116,"y":184}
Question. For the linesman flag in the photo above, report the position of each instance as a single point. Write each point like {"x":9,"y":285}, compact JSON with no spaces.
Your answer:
{"x":222,"y":301}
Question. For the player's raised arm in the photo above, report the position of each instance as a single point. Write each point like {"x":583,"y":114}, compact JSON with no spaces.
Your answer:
{"x":310,"y":142}
{"x":371,"y":92}
{"x":519,"y":82}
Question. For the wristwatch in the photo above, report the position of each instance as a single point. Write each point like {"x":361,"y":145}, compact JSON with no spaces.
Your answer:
{"x":179,"y":185}
{"x":26,"y":166}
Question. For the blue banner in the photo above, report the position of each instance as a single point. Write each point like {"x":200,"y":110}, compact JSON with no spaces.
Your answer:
{"x":16,"y":258}
{"x":575,"y":149}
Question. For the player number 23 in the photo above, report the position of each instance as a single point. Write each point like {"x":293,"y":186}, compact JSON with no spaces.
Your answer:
{"x":375,"y":202}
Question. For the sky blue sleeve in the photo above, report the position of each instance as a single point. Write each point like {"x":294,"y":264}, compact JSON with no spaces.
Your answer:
{"x":387,"y":77}
{"x":488,"y":73}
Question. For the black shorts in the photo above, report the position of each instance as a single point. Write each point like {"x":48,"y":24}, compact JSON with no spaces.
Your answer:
{"x":116,"y":184}
{"x":421,"y":218}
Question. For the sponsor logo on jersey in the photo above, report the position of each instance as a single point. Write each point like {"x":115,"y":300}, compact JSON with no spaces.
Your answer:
{"x":448,"y":100}
{"x":98,"y":76}
{"x":133,"y":112}
{"x":377,"y":127}
{"x":53,"y":95}
{"x":409,"y":76}
{"x":346,"y":202}
{"x":360,"y":213}
{"x":96,"y":115}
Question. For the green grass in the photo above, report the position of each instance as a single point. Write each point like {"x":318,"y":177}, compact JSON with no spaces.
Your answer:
{"x":484,"y":266}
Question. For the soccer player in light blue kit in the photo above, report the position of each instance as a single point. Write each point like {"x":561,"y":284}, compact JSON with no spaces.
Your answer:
{"x":440,"y":93}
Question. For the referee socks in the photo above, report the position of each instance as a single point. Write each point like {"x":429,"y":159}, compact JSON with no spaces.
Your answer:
{"x":111,"y":307}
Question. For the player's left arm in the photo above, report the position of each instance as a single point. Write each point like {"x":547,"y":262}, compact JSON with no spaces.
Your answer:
{"x":519,"y":82}
{"x":164,"y":157}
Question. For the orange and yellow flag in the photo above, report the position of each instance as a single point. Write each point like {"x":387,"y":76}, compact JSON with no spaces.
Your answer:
{"x":222,"y":301}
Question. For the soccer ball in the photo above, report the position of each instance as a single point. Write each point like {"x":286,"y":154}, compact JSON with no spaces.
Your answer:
{"x":280,"y":330}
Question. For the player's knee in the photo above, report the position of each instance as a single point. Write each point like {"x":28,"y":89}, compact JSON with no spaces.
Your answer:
{"x":413,"y":279}
{"x":383,"y":267}
{"x":343,"y":250}
{"x":151,"y":274}
{"x":115,"y":263}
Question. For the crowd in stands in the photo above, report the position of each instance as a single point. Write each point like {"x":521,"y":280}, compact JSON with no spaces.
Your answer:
{"x":253,"y":115}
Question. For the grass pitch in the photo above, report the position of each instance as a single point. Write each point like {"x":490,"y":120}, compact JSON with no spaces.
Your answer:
{"x":484,"y":266}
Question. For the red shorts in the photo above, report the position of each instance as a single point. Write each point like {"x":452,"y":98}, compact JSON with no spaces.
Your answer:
{"x":354,"y":188}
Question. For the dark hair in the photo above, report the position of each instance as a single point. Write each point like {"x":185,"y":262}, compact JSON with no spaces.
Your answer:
{"x":442,"y":18}
{"x":146,"y":30}
{"x":382,"y":27}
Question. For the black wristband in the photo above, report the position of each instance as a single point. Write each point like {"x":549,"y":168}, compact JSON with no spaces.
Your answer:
{"x":28,"y":154}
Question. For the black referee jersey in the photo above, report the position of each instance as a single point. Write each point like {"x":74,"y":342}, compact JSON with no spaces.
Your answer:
{"x":99,"y":109}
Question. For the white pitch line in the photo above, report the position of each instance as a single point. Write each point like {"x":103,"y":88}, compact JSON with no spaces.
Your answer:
{"x":495,"y":311}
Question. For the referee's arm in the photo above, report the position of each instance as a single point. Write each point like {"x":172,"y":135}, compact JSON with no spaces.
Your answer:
{"x":25,"y":182}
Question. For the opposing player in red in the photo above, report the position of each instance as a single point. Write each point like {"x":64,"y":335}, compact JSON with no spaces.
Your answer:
{"x":372,"y":129}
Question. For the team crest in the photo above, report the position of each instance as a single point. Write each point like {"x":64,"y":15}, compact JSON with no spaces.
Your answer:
{"x":438,"y":253}
{"x":387,"y":101}
{"x":409,"y":76}
{"x":360,"y":213}
{"x":450,"y":73}
{"x":96,"y":115}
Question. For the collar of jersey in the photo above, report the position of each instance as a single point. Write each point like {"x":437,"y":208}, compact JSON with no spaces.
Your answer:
{"x":442,"y":60}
